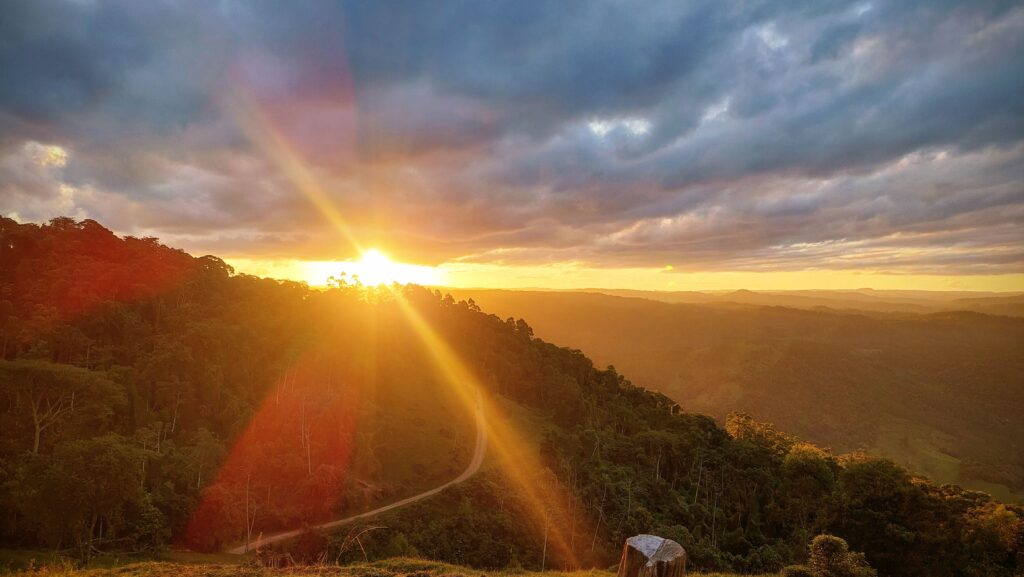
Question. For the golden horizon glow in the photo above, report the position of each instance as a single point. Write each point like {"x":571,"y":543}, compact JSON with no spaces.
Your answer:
{"x":372,"y":269}
{"x":568,"y":276}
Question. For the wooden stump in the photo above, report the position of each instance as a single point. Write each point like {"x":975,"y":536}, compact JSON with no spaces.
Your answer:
{"x":652,"y":556}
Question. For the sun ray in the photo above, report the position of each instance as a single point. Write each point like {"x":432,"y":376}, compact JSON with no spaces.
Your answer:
{"x":545,"y":500}
{"x":272,"y":143}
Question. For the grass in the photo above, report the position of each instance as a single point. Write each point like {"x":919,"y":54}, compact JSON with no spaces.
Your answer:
{"x":1000,"y":492}
{"x":190,"y":565}
{"x":919,"y":448}
{"x":13,"y":561}
{"x":923,"y":449}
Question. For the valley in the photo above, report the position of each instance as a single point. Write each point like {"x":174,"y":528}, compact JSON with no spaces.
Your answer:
{"x":941,"y":393}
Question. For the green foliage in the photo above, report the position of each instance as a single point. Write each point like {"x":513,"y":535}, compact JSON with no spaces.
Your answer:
{"x":992,"y":534}
{"x":398,"y":546}
{"x":879,"y":509}
{"x":830,"y":556}
{"x":89,"y":493}
{"x":48,"y":401}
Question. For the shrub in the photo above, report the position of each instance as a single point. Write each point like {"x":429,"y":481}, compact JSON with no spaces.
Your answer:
{"x":830,"y":556}
{"x":399,"y":546}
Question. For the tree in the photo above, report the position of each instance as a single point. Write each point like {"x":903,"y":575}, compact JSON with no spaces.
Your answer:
{"x":830,"y":556}
{"x":903,"y":530}
{"x":49,"y":395}
{"x":810,"y":479}
{"x":743,"y":427}
{"x":992,"y":533}
{"x":89,"y":494}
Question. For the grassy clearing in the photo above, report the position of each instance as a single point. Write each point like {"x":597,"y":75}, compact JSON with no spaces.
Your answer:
{"x":923,"y":449}
{"x":397,"y":567}
{"x":1000,"y":492}
{"x":919,"y":448}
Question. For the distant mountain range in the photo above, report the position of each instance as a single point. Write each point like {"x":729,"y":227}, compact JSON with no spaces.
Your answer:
{"x":867,"y":300}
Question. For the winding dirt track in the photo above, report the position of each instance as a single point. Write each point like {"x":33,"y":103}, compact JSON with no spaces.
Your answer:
{"x":474,"y":466}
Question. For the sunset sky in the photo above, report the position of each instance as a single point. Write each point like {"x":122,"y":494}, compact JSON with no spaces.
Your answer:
{"x":651,"y":145}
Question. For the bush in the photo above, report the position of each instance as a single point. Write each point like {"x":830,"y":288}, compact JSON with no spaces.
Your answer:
{"x":830,"y":556}
{"x":797,"y":571}
{"x":399,"y":546}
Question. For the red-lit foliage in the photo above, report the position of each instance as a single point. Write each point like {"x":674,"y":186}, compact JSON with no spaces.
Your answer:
{"x":290,"y":465}
{"x":42,"y":287}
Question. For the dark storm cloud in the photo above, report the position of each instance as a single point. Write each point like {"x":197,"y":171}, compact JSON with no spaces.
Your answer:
{"x":707,"y":134}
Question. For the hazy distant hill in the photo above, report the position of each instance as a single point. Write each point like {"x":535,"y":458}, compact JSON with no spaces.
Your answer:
{"x":868,"y":300}
{"x":942,"y":393}
{"x":1005,"y":305}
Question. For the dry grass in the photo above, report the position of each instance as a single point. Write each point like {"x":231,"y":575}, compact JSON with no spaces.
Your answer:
{"x":397,"y":567}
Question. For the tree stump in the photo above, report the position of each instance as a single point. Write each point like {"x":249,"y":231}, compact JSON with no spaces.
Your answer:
{"x":652,"y":556}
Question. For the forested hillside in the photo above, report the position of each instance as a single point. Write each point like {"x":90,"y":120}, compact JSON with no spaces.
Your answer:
{"x":940,"y":393}
{"x":164,"y":377}
{"x":152,"y":399}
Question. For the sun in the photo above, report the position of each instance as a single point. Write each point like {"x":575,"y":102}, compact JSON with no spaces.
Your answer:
{"x":373,"y":268}
{"x":376,"y":268}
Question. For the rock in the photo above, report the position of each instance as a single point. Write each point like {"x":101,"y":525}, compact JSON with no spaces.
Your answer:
{"x":652,"y":556}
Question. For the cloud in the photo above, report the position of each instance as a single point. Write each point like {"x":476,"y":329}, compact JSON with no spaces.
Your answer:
{"x":764,"y":135}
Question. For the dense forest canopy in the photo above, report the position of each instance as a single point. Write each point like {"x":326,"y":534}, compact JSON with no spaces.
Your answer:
{"x":153,"y":399}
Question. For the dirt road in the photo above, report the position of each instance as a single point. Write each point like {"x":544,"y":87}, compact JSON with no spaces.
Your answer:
{"x":474,"y":466}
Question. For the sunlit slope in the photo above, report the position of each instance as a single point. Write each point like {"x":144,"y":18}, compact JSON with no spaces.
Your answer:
{"x":942,"y":393}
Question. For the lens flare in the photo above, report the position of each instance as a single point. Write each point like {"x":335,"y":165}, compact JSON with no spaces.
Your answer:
{"x":261,"y":132}
{"x":292,"y":460}
{"x":546,"y":500}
